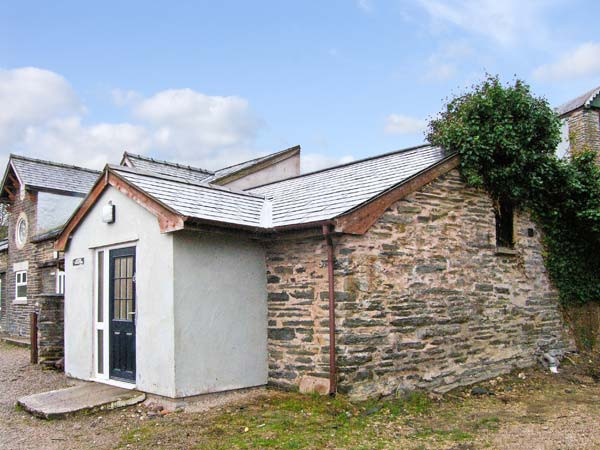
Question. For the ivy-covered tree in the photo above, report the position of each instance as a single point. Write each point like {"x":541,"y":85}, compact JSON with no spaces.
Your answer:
{"x":506,"y":138}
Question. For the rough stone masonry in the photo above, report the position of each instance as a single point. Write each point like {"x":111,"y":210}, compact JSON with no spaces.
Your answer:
{"x":423,"y":299}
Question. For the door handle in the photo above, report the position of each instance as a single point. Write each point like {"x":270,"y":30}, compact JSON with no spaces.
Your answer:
{"x":132,"y":313}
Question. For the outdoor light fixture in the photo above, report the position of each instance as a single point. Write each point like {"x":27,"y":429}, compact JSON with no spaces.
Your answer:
{"x":108,"y":213}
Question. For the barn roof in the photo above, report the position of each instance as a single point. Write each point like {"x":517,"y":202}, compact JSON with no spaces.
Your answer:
{"x":194,"y":200}
{"x":583,"y":101}
{"x":328,"y":193}
{"x":50,"y":176}
{"x":306,"y":200}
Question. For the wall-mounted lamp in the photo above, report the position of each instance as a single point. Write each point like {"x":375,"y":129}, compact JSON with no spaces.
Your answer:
{"x":108,"y":213}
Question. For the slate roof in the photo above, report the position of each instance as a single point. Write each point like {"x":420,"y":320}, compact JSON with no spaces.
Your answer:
{"x":307,"y":198}
{"x":48,"y":175}
{"x":583,"y":100}
{"x":195,"y":174}
{"x":328,"y":193}
{"x":186,"y":173}
{"x":3,"y":245}
{"x":199,"y":201}
{"x":226,"y":171}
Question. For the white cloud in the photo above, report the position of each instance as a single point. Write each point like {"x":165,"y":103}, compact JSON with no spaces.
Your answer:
{"x":194,"y":126}
{"x":443,"y":64}
{"x":317,"y":161}
{"x":124,"y":98}
{"x":40,"y":115}
{"x":505,"y":21}
{"x":401,"y":124}
{"x":365,"y":5}
{"x":30,"y":96}
{"x":581,"y":62}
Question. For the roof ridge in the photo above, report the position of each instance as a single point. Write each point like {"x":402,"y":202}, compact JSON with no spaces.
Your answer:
{"x":289,"y":149}
{"x":52,"y":163}
{"x":346,"y":164}
{"x":169,"y":163}
{"x":181,"y":181}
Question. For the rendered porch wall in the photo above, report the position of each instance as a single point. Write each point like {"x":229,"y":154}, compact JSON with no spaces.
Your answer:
{"x":220,"y":313}
{"x":422,"y":300}
{"x":154,"y":292}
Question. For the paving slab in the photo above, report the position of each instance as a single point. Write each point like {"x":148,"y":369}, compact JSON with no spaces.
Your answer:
{"x":83,"y":398}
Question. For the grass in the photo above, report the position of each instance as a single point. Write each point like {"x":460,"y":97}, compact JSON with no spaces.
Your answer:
{"x":417,"y":420}
{"x":291,"y":420}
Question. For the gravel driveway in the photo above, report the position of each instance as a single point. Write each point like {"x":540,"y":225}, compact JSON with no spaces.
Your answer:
{"x":20,"y":430}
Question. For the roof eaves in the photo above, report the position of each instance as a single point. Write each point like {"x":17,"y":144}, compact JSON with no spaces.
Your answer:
{"x":53,"y":163}
{"x":6,"y":171}
{"x":110,"y":169}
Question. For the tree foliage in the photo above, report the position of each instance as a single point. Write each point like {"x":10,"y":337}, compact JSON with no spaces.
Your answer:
{"x":506,"y":138}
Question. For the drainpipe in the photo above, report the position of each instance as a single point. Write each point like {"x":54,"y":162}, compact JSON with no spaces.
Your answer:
{"x":332,"y":366}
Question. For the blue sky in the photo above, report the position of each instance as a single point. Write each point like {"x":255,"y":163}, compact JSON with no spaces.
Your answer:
{"x":213,"y":83}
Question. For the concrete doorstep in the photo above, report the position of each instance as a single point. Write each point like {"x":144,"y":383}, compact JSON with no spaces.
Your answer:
{"x":83,"y":398}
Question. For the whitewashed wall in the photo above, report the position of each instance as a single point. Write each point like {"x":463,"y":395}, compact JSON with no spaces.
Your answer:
{"x":220,"y":313}
{"x":154,"y":291}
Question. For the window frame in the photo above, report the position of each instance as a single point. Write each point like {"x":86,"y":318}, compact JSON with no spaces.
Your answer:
{"x":22,"y":220}
{"x":60,"y":282}
{"x":20,"y":273}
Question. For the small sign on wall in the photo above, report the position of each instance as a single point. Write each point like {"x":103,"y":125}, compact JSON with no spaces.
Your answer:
{"x":78,"y":262}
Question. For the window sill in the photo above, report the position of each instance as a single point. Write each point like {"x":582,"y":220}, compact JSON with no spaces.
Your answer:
{"x":21,"y":301}
{"x":506,"y":251}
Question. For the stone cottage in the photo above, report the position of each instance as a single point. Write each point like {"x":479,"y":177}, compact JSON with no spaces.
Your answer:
{"x":382,"y":274}
{"x":39,"y":196}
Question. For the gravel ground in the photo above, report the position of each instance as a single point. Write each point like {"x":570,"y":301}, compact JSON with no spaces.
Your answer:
{"x":20,"y":430}
{"x":540,"y":411}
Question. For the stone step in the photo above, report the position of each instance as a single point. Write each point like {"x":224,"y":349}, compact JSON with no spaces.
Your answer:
{"x":86,"y":397}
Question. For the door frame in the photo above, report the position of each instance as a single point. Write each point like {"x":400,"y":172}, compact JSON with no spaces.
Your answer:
{"x":105,"y":324}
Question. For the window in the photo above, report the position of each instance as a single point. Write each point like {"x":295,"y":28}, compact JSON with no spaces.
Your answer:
{"x":505,"y":225}
{"x":60,"y":282}
{"x":21,"y":231}
{"x":21,"y":285}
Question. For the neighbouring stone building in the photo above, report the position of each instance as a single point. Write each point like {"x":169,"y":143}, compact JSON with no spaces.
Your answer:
{"x":39,"y":196}
{"x":581,"y":123}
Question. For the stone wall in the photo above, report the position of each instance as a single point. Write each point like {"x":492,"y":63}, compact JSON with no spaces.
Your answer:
{"x":584,"y":130}
{"x":50,"y":329}
{"x":423,"y":300}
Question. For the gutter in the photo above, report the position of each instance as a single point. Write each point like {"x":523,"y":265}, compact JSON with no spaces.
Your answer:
{"x":332,"y":365}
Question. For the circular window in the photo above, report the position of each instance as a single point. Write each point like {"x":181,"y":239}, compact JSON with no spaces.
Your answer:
{"x":21,"y":231}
